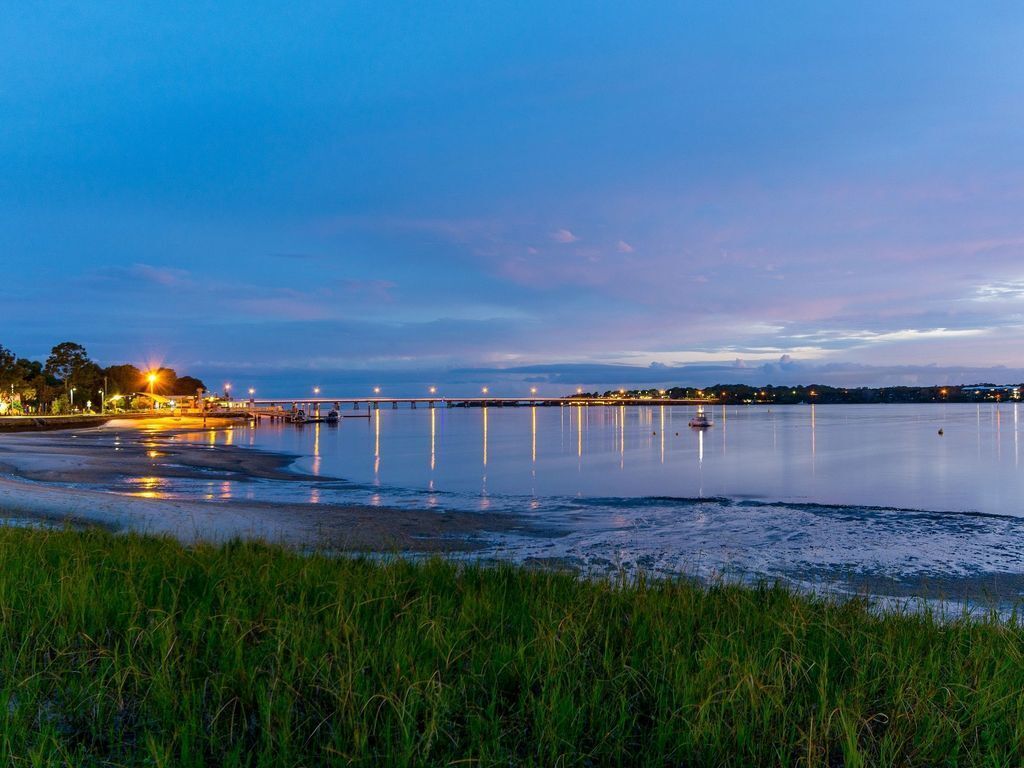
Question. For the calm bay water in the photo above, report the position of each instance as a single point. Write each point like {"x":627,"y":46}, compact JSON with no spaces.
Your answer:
{"x":802,"y":492}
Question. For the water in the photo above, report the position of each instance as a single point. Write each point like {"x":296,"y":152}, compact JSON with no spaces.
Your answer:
{"x":843,"y":495}
{"x":888,"y":456}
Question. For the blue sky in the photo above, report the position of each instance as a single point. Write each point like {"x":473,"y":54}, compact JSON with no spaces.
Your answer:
{"x":598,"y":194}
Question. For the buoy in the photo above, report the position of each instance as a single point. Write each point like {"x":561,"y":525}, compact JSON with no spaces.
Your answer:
{"x":941,"y":431}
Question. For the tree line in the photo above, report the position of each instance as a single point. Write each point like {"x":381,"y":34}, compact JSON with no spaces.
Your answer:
{"x":820,"y":393}
{"x":69,"y":380}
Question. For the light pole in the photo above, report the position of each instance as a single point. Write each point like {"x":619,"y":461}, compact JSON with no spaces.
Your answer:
{"x":227,"y":392}
{"x":103,"y":401}
{"x":152,"y":401}
{"x":73,"y":398}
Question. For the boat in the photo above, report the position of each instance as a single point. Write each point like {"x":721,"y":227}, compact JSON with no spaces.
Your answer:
{"x":700,"y":420}
{"x":297,"y":417}
{"x":333,"y":417}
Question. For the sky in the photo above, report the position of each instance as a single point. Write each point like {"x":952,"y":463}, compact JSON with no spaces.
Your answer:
{"x":595,"y":194}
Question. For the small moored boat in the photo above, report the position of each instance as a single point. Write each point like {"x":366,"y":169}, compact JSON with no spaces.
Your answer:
{"x":333,"y":417}
{"x":700,"y":420}
{"x":297,"y":417}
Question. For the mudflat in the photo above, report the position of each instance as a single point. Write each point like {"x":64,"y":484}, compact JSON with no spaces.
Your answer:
{"x":71,"y":477}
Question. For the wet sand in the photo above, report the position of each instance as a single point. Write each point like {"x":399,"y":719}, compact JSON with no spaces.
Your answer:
{"x":35,"y":470}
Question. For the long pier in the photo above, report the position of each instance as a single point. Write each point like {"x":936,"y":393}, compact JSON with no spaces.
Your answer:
{"x":276,"y":406}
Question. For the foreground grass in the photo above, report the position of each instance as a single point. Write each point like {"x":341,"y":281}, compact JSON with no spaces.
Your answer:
{"x":130,"y":651}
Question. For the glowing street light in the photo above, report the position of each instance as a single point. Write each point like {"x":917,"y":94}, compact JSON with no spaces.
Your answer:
{"x":251,"y":391}
{"x":376,"y":390}
{"x":533,"y":390}
{"x":433,"y":390}
{"x":227,"y":391}
{"x":316,"y":390}
{"x":484,"y":390}
{"x":579,"y":390}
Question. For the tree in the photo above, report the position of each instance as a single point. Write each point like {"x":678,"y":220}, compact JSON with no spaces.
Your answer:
{"x":9,"y":374}
{"x":66,"y":362}
{"x":187,"y":385}
{"x":124,"y":379}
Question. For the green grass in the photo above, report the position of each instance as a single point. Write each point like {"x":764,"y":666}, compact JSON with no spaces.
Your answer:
{"x":125,"y":650}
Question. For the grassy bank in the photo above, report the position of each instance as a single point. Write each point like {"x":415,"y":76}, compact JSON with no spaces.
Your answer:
{"x":128,"y":650}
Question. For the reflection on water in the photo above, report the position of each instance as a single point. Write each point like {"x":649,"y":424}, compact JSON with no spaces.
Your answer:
{"x":433,"y":439}
{"x":376,"y":445}
{"x":316,"y":449}
{"x":885,"y":455}
{"x":533,"y":434}
{"x":888,"y":455}
{"x":804,"y":492}
{"x":148,"y":487}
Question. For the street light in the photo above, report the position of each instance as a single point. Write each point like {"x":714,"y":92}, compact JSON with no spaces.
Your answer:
{"x":433,"y":390}
{"x":376,"y":390}
{"x":533,"y":390}
{"x":152,"y":380}
{"x":227,"y":391}
{"x":103,"y":402}
{"x":251,"y":391}
{"x":484,"y":390}
{"x":316,"y":390}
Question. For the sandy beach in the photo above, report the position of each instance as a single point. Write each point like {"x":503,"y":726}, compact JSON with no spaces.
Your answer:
{"x":53,"y":478}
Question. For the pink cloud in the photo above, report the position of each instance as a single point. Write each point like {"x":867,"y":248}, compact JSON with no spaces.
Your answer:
{"x":563,"y":236}
{"x":623,"y":247}
{"x":165,"y":276}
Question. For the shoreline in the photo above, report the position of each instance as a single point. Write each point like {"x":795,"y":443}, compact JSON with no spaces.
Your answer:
{"x":116,"y":477}
{"x":29,"y":488}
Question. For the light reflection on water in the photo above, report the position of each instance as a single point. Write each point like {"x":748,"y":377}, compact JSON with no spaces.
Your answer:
{"x":149,"y":487}
{"x":863,"y":455}
{"x":803,"y":492}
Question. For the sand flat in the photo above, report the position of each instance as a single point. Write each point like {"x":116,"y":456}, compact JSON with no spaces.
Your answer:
{"x":69,"y":476}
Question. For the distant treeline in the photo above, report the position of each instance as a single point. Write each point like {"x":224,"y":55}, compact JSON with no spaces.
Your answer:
{"x":815,"y":393}
{"x":68,"y":376}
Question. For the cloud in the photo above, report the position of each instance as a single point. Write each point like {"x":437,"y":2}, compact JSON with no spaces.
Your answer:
{"x":370,"y":290}
{"x":785,"y":371}
{"x":623,"y":247}
{"x":563,"y":236}
{"x":1007,"y":290}
{"x":166,"y":277}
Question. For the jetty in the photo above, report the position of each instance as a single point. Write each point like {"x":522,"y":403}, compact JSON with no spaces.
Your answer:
{"x":361,"y":407}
